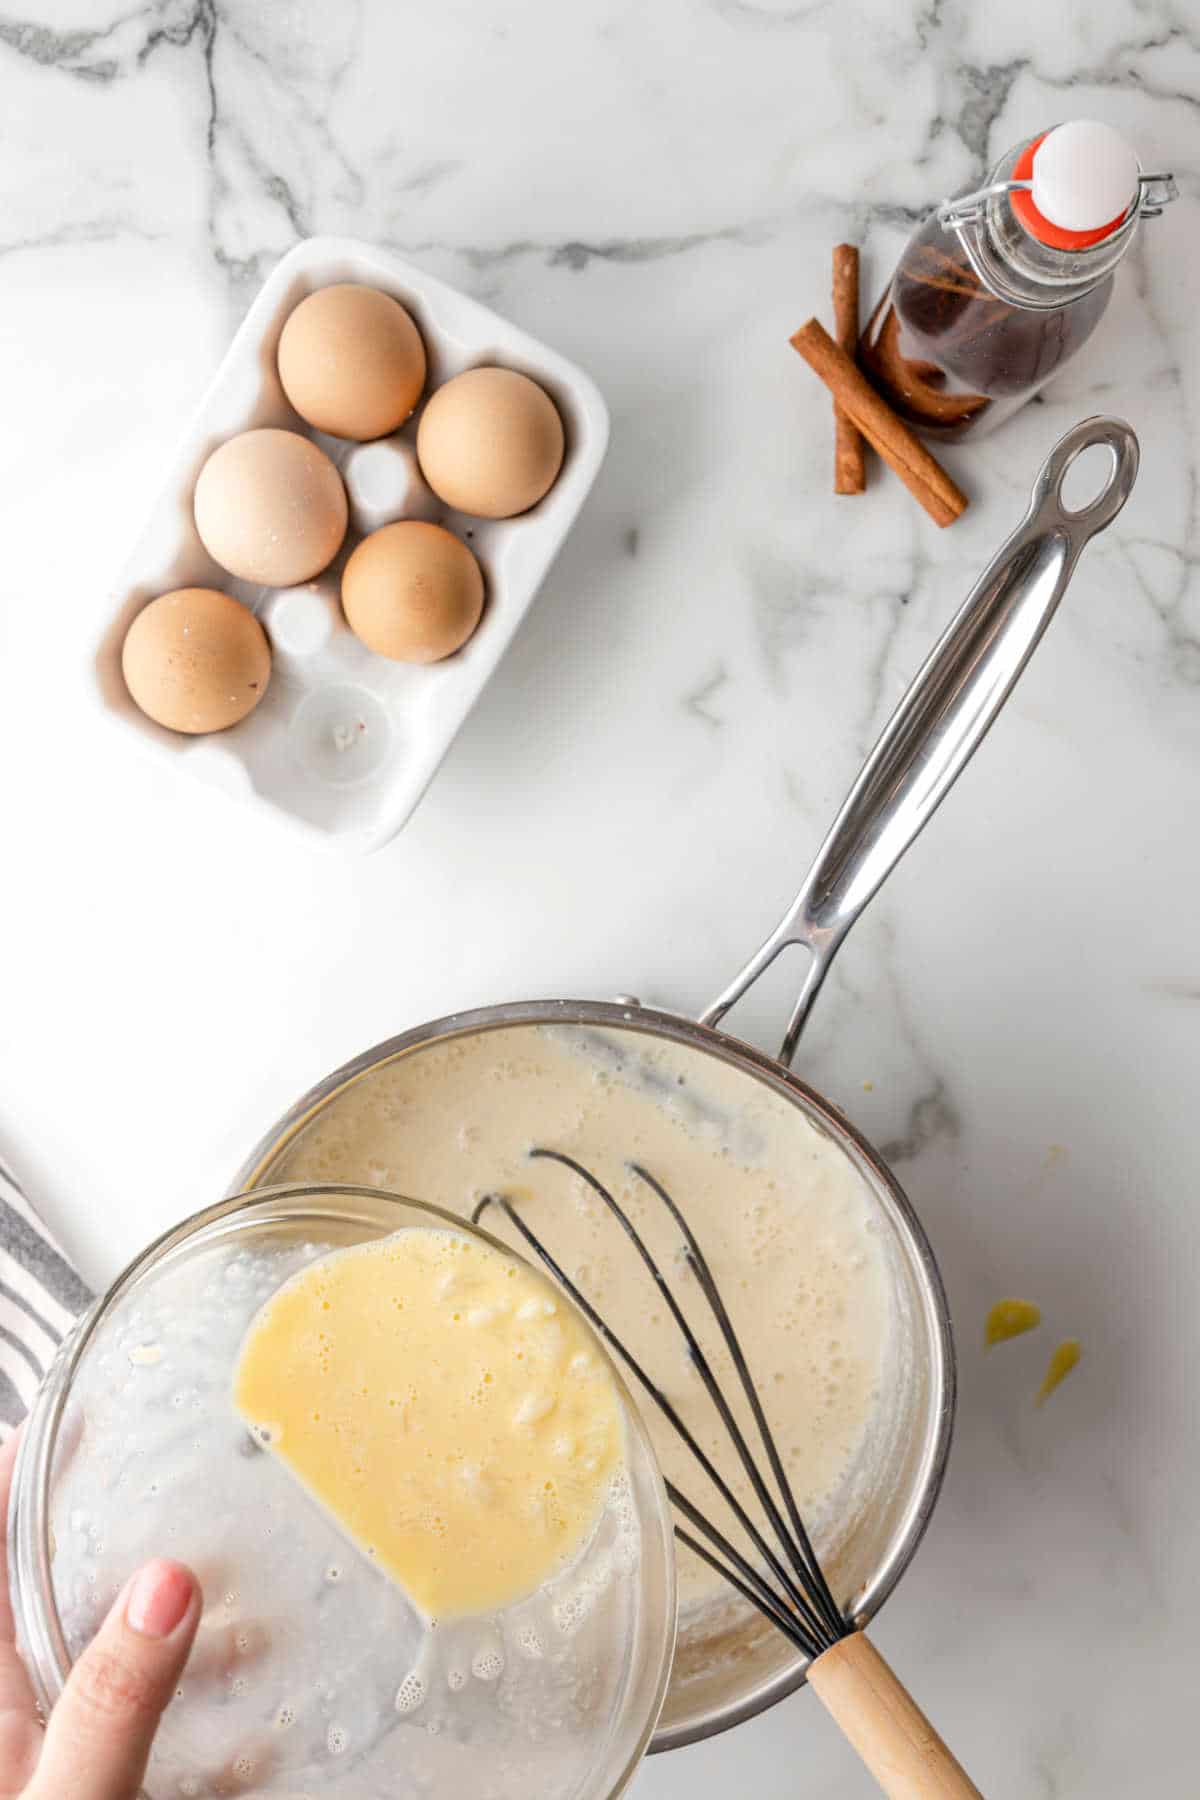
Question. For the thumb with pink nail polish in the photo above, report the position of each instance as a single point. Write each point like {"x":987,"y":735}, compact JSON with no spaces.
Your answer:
{"x":100,"y":1733}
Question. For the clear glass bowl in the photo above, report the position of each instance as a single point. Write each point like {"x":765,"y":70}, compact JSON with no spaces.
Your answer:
{"x":312,"y":1674}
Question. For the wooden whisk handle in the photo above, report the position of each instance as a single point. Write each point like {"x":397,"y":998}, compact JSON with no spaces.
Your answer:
{"x":885,"y":1725}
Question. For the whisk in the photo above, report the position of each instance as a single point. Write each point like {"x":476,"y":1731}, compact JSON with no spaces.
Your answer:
{"x":787,"y":1586}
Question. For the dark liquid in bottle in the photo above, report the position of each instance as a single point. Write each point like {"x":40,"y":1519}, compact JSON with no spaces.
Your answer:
{"x":952,"y":358}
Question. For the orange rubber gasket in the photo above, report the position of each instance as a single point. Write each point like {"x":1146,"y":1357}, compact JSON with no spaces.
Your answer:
{"x":1037,"y":224}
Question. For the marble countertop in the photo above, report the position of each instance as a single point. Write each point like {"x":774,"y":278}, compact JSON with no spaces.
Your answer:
{"x":654,"y":190}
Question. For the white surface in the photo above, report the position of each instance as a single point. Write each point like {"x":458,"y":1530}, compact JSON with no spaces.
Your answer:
{"x":1084,"y":175}
{"x":655,"y":190}
{"x":288,"y":757}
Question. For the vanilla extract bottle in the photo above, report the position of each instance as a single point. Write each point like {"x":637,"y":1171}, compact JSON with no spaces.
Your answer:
{"x":997,"y":290}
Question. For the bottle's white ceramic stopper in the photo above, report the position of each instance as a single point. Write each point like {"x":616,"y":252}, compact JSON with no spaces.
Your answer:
{"x":1084,"y":175}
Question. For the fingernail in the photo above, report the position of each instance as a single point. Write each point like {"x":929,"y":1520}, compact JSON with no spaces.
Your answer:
{"x":160,"y":1596}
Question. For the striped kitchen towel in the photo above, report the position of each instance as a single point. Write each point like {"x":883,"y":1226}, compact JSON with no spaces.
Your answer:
{"x":40,"y":1298}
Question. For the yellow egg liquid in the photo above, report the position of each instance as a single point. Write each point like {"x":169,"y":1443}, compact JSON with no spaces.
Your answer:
{"x":444,"y":1404}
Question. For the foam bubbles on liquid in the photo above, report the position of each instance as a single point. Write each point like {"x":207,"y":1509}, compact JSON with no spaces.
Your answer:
{"x":487,"y":1664}
{"x":570,"y":1613}
{"x":335,"y":1740}
{"x":411,"y":1693}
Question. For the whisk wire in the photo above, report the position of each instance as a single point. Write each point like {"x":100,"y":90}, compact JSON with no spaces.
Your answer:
{"x":811,"y":1620}
{"x":765,"y":1604}
{"x":799,"y":1554}
{"x":719,"y":1554}
{"x":699,"y":1359}
{"x":704,"y":1276}
{"x":806,"y":1614}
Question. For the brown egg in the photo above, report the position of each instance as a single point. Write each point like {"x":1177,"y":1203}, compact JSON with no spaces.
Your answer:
{"x":413,"y":592}
{"x":271,"y":507}
{"x":351,"y":361}
{"x":194,"y":660}
{"x":490,"y":442}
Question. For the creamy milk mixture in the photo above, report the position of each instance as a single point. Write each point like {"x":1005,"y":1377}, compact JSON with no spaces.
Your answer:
{"x":786,"y":1222}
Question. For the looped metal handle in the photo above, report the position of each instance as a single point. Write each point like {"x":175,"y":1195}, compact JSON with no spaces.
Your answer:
{"x":1047,"y":504}
{"x":945,"y":714}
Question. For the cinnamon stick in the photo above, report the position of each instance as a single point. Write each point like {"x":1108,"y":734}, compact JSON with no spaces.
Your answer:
{"x":849,"y":450}
{"x":921,"y":473}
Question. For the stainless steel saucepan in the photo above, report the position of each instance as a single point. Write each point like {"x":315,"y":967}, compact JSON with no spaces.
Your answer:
{"x":728,"y":1674}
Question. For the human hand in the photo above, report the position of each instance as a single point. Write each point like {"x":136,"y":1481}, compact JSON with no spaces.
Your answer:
{"x":98,"y":1739}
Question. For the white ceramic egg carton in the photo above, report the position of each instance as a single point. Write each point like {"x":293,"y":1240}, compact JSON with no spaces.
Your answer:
{"x":345,"y":742}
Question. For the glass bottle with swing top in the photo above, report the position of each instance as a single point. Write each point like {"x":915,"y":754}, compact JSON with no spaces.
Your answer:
{"x":997,"y":290}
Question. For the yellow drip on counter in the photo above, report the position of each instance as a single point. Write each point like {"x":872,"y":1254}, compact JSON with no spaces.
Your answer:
{"x":1008,"y":1319}
{"x":440,"y":1401}
{"x":1062,"y":1361}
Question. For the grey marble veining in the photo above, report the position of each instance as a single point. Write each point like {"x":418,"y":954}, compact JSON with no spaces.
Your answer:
{"x":1016,"y":1021}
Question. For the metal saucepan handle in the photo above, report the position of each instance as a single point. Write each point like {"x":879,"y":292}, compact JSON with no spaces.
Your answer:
{"x":942,"y":718}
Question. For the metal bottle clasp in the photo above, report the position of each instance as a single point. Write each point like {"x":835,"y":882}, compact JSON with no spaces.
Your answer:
{"x":1154,"y":192}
